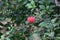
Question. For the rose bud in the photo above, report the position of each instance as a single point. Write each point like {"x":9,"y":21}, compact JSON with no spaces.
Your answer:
{"x":31,"y":19}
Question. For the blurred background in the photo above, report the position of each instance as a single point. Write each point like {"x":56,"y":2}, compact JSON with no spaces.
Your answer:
{"x":29,"y":19}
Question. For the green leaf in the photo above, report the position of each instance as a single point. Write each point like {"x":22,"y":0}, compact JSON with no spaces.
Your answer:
{"x":29,"y":5}
{"x":54,"y":20}
{"x":57,"y":38}
{"x":42,"y":7}
{"x":41,"y":2}
{"x":7,"y":38}
{"x":46,"y":24}
{"x":35,"y":36}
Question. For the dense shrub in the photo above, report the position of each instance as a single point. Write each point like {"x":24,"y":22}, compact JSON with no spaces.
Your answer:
{"x":29,"y":20}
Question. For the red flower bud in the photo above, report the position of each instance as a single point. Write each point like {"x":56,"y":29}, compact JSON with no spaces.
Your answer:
{"x":31,"y":19}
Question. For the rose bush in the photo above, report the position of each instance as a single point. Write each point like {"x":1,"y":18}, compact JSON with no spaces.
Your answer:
{"x":29,"y":20}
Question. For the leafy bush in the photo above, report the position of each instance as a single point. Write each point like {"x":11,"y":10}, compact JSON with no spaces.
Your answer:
{"x":29,"y":20}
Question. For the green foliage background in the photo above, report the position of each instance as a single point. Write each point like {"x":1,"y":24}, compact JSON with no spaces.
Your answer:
{"x":46,"y":26}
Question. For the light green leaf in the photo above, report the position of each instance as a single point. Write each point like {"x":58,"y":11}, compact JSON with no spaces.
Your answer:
{"x":42,"y":7}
